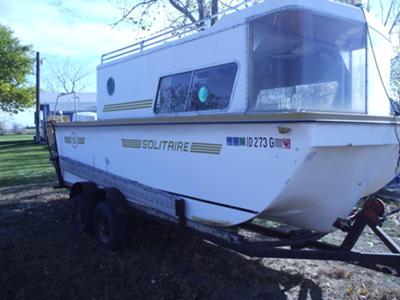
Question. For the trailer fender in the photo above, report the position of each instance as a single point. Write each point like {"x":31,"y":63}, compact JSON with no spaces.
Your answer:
{"x":88,"y":188}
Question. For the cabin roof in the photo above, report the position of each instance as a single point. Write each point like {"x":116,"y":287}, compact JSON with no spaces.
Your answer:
{"x":231,"y":20}
{"x":328,"y":7}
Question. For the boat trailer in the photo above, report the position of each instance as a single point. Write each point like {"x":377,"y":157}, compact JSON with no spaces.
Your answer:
{"x":256,"y":240}
{"x":253,"y":239}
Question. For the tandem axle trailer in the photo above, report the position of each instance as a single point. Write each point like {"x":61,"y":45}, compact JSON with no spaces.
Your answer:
{"x":103,"y":203}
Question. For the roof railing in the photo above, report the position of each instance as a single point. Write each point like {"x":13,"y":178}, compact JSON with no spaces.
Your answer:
{"x":170,"y":34}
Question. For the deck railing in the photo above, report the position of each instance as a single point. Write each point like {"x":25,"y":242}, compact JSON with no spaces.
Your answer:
{"x":170,"y":34}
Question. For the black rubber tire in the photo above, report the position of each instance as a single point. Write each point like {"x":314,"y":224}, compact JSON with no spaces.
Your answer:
{"x":82,"y":214}
{"x":109,"y":226}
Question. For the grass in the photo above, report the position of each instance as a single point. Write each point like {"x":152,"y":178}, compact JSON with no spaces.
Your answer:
{"x":24,"y":162}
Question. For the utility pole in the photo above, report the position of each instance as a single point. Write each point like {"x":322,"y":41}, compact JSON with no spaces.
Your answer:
{"x":37,"y":112}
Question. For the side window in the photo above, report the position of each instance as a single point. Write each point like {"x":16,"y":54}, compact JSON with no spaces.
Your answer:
{"x":172,"y":93}
{"x":212,"y":87}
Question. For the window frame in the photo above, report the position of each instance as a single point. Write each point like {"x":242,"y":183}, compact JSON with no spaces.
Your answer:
{"x":203,"y":111}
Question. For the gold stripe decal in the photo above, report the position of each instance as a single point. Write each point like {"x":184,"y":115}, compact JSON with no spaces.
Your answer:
{"x":131,"y":143}
{"x":128,"y":105}
{"x":206,"y":148}
{"x":168,"y":145}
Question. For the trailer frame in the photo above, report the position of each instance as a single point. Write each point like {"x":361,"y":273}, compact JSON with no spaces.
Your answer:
{"x":250,"y":239}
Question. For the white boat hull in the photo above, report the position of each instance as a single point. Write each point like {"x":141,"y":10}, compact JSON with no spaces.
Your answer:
{"x":305,"y":174}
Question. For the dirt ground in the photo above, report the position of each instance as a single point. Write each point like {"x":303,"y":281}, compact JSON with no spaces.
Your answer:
{"x":42,"y":257}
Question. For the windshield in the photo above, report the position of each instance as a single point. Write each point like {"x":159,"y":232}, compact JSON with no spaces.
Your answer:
{"x":303,"y":61}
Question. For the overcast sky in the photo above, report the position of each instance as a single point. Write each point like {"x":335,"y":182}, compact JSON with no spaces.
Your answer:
{"x":79,"y":29}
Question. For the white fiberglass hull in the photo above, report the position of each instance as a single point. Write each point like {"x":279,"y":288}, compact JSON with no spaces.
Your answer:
{"x":305,"y":174}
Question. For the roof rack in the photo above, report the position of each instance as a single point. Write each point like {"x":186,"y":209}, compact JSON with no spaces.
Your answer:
{"x":170,"y":34}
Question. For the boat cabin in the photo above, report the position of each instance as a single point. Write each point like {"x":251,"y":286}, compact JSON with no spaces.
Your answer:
{"x":276,"y":57}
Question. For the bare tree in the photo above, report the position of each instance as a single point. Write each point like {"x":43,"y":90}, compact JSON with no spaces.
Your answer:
{"x":67,"y":76}
{"x":144,"y":13}
{"x":387,"y":11}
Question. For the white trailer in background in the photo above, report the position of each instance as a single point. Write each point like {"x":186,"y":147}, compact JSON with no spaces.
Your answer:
{"x":277,"y":112}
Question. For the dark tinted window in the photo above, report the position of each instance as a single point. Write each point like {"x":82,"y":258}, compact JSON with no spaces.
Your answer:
{"x":172,"y":93}
{"x":212,"y":87}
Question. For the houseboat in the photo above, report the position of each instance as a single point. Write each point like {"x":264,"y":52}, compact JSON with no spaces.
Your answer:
{"x":277,"y":111}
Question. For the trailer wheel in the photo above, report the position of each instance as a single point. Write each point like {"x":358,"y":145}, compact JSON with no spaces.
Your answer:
{"x":109,"y":226}
{"x":81,"y":213}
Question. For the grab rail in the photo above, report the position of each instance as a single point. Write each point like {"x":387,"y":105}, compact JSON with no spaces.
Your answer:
{"x":169,"y":34}
{"x":75,"y":97}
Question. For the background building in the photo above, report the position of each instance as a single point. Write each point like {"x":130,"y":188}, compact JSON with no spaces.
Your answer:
{"x":66,"y":106}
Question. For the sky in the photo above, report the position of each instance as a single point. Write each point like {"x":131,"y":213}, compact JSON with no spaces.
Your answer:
{"x":76,"y":29}
{"x":79,"y":30}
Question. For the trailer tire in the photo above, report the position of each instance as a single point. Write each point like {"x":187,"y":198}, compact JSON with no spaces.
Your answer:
{"x":81,"y":213}
{"x":110,"y":226}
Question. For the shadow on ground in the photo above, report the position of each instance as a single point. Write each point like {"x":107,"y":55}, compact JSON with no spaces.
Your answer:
{"x":12,"y":145}
{"x":43,"y":257}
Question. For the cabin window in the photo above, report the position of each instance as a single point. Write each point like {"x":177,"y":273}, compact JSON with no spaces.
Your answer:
{"x":172,"y":93}
{"x":212,"y":87}
{"x":303,"y":61}
{"x":203,"y":89}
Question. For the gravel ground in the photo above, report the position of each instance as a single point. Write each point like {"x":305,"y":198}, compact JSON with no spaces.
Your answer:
{"x":42,"y":257}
